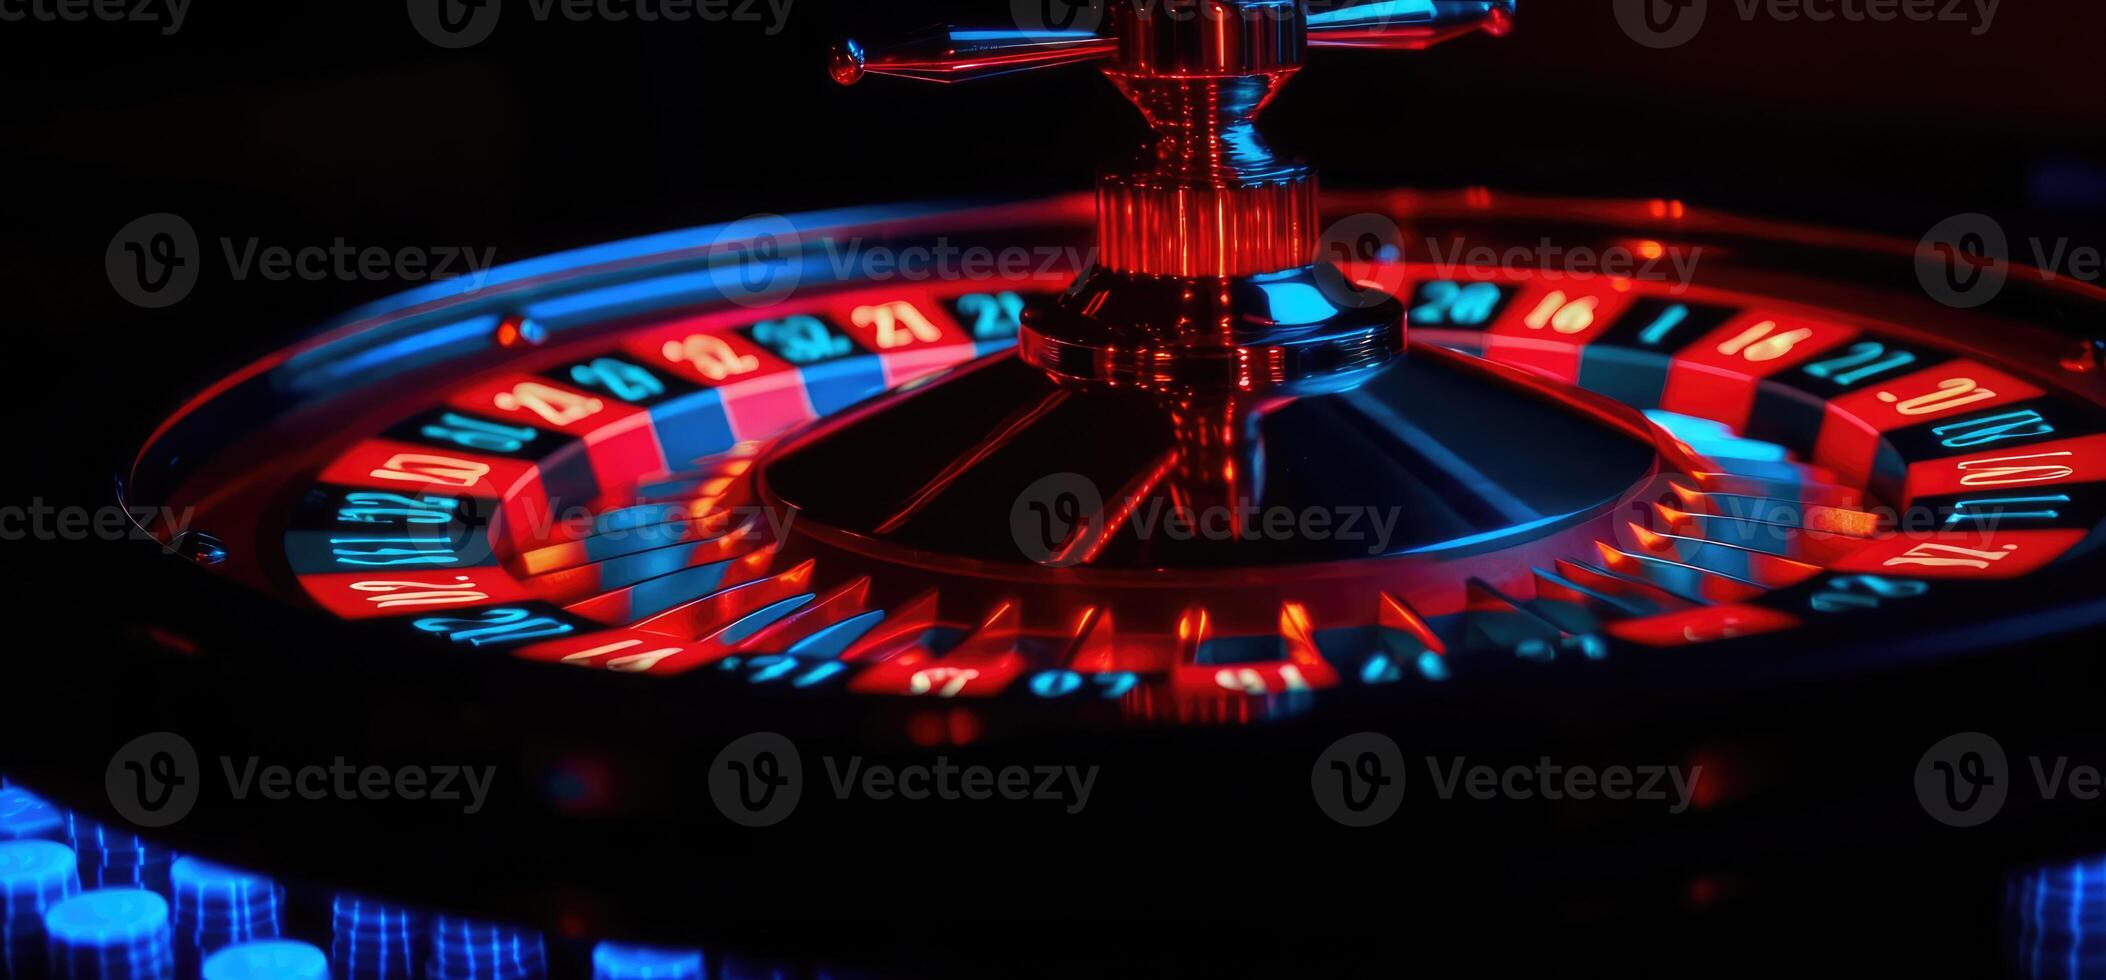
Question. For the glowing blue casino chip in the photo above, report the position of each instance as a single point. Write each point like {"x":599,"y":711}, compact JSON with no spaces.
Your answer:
{"x":612,"y":961}
{"x":465,"y":950}
{"x":217,"y":906}
{"x":269,"y":959}
{"x":374,"y":941}
{"x":26,"y":816}
{"x":36,"y":870}
{"x":34,"y":876}
{"x":111,"y":933}
{"x":112,"y":858}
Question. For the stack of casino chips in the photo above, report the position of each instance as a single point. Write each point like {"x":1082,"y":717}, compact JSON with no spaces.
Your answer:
{"x":2061,"y":913}
{"x":26,"y":816}
{"x":374,"y":941}
{"x":614,"y":961}
{"x":34,"y":876}
{"x":217,"y":906}
{"x":113,"y":858}
{"x":111,"y":934}
{"x":465,"y":950}
{"x":267,"y":959}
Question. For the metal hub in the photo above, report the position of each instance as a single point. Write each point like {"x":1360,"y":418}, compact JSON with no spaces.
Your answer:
{"x":1206,"y":278}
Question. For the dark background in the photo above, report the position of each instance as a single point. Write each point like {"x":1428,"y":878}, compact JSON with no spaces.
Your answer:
{"x":299,"y":124}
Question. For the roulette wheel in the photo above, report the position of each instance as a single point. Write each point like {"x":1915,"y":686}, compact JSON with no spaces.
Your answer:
{"x":693,"y":573}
